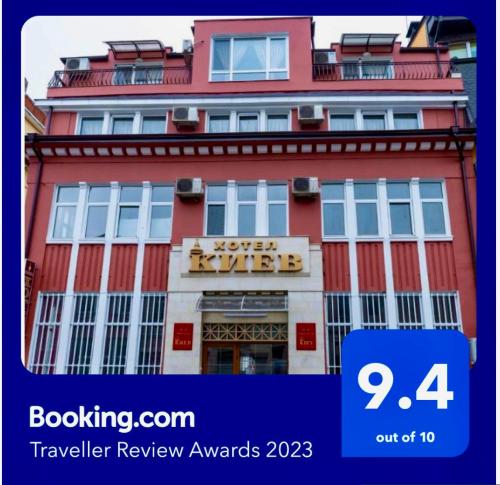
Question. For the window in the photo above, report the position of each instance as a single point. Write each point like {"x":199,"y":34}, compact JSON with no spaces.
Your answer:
{"x":445,"y":311}
{"x":406,"y":121}
{"x":249,"y":58}
{"x":277,"y":122}
{"x":462,"y":50}
{"x":332,"y":198}
{"x":247,"y":209}
{"x":160,"y":224}
{"x":364,"y":69}
{"x":373,"y":121}
{"x":218,"y":124}
{"x":248,"y":122}
{"x":122,"y":125}
{"x":365,"y":195}
{"x":342,"y":122}
{"x":128,"y":211}
{"x":97,"y":212}
{"x":82,"y":334}
{"x":151,"y":333}
{"x":64,"y":212}
{"x":45,"y":338}
{"x":277,"y":196}
{"x":409,"y":311}
{"x":153,"y":124}
{"x":216,"y":210}
{"x":91,"y":125}
{"x":133,"y":74}
{"x":373,"y":313}
{"x":398,"y":194}
{"x":431,"y":195}
{"x":339,"y":324}
{"x":116,"y":334}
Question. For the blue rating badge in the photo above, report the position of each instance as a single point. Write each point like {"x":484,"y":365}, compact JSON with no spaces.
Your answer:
{"x":405,"y":393}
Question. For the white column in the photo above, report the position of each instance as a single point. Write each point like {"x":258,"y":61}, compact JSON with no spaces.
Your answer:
{"x":353,"y":261}
{"x":66,"y":319}
{"x":385,"y":233}
{"x":135,"y":310}
{"x":231,"y":209}
{"x":261,"y":209}
{"x":422,"y":259}
{"x":136,"y":126}
{"x":390,"y":119}
{"x":106,"y":122}
{"x":100,"y":322}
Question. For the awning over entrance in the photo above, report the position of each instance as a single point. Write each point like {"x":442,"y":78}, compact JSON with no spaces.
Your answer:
{"x":242,"y":303}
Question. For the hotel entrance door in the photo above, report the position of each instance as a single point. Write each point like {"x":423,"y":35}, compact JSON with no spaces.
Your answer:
{"x":245,"y":358}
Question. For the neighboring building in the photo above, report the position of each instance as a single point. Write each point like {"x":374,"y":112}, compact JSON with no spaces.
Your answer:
{"x":34,"y":120}
{"x":243,"y":205}
{"x":459,"y":34}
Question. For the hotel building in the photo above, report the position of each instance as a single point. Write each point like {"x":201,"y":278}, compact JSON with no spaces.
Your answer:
{"x":242,"y":205}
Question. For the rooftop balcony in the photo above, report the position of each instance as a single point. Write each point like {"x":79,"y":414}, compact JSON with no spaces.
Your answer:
{"x":383,"y":70}
{"x":121,"y":77}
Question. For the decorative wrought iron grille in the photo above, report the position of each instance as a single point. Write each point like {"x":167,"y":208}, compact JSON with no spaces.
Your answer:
{"x":245,"y":332}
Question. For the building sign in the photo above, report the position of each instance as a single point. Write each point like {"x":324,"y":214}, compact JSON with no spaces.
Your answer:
{"x":183,"y":336}
{"x":29,"y":275}
{"x":252,"y":255}
{"x":306,"y":336}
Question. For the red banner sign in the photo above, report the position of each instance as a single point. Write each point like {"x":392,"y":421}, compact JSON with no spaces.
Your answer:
{"x":29,"y":275}
{"x":183,"y":336}
{"x":306,"y":336}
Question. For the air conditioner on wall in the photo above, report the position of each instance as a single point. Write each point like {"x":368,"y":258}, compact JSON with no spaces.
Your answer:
{"x":324,"y":57}
{"x":77,"y":64}
{"x":189,"y":187}
{"x":305,"y":186}
{"x":184,"y":115}
{"x":311,"y":114}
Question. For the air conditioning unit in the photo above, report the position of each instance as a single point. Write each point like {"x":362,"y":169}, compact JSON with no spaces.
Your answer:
{"x":184,"y":115}
{"x":325,"y":57}
{"x":77,"y":64}
{"x":189,"y":187}
{"x":187,"y":45}
{"x":305,"y":186}
{"x":311,"y":114}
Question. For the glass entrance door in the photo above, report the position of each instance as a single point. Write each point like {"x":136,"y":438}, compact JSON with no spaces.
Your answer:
{"x":245,"y":358}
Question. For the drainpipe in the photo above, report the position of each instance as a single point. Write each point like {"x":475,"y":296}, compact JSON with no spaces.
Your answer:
{"x":48,"y":121}
{"x":455,"y":114}
{"x":463,"y":167}
{"x":29,"y":231}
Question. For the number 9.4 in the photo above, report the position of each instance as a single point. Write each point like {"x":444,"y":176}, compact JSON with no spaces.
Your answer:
{"x":438,"y":373}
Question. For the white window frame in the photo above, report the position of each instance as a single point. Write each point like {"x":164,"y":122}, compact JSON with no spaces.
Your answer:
{"x":417,"y":113}
{"x":216,"y":202}
{"x":367,"y":201}
{"x":406,"y":296}
{"x":382,"y":297}
{"x":444,"y":200}
{"x":210,"y":114}
{"x":153,"y":115}
{"x":258,"y":210}
{"x":339,"y":112}
{"x":277,"y":202}
{"x":341,"y":328}
{"x":407,"y":200}
{"x":119,"y":205}
{"x":374,"y":113}
{"x":53,"y":212}
{"x":367,"y":60}
{"x":267,"y":69}
{"x":86,"y":115}
{"x":278,"y":113}
{"x":117,"y":116}
{"x":134,"y":67}
{"x":454,"y":295}
{"x":89,"y":204}
{"x":247,"y":113}
{"x":327,"y":237}
{"x":152,"y":204}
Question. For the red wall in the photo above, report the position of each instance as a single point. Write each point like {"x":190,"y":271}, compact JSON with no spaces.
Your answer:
{"x":55,"y":267}
{"x":155,"y":268}
{"x":337,"y":276}
{"x":405,"y":267}
{"x":122,"y":267}
{"x":89,"y":267}
{"x":371,"y":269}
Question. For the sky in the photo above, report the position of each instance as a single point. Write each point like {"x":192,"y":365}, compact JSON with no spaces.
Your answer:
{"x":46,"y":39}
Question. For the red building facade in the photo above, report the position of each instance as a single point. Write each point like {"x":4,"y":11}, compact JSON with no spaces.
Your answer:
{"x":188,"y":212}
